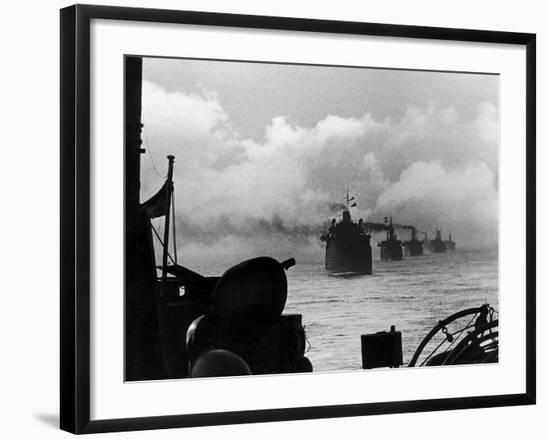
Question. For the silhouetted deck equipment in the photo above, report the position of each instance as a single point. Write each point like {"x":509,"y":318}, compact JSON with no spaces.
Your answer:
{"x":246,"y":319}
{"x":469,"y":336}
{"x":382,"y":349}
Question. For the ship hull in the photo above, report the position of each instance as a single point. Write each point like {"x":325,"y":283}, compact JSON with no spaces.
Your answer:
{"x":350,"y":257}
{"x":391,"y":251}
{"x":451,"y":246}
{"x":438,"y":246}
{"x":414,"y":248}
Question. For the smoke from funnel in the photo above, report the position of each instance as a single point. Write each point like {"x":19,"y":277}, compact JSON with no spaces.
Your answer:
{"x":403,"y":226}
{"x":376,"y":227}
{"x":337,"y":207}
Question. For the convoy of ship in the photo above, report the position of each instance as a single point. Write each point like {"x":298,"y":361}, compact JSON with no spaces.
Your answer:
{"x":348,"y":248}
{"x":182,"y":324}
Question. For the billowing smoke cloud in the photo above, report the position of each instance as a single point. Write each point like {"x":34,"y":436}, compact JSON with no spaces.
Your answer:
{"x":238,"y":197}
{"x":464,"y":201}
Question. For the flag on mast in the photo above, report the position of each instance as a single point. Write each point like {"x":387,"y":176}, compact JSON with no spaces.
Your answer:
{"x":156,"y":205}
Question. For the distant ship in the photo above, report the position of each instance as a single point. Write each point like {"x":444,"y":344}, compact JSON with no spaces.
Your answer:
{"x":437,"y":244}
{"x":414,"y":247}
{"x":391,"y":249}
{"x":427,"y":243}
{"x":451,"y":245}
{"x":348,"y":248}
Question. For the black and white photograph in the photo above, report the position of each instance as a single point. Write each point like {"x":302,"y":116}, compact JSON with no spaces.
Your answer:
{"x":275,"y":219}
{"x":297,"y":218}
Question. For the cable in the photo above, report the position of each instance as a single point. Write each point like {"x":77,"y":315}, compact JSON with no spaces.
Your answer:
{"x":149,"y":149}
{"x":161,"y":243}
{"x":174,"y":226}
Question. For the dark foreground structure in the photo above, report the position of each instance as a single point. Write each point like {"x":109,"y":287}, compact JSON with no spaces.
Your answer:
{"x":348,"y":248}
{"x":179,"y":323}
{"x":469,"y":336}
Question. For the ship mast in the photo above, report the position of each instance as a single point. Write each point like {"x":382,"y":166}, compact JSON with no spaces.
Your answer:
{"x":170,"y":189}
{"x":349,"y":199}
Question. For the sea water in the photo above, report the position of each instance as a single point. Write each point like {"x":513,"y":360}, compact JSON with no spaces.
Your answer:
{"x":412,"y":294}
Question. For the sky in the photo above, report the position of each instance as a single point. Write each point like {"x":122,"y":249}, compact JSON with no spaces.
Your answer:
{"x":265,"y":151}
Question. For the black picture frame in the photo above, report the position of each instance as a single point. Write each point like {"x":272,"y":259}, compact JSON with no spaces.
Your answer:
{"x":75,"y":217}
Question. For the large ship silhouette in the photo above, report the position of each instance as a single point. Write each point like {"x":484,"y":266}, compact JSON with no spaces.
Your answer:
{"x":348,"y":249}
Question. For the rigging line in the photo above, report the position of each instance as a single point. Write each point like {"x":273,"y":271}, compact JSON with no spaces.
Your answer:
{"x":307,"y":341}
{"x":161,"y":243}
{"x":455,"y":338}
{"x":174,"y":226}
{"x":149,"y":150}
{"x":433,"y":352}
{"x":451,"y":344}
{"x":461,"y":331}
